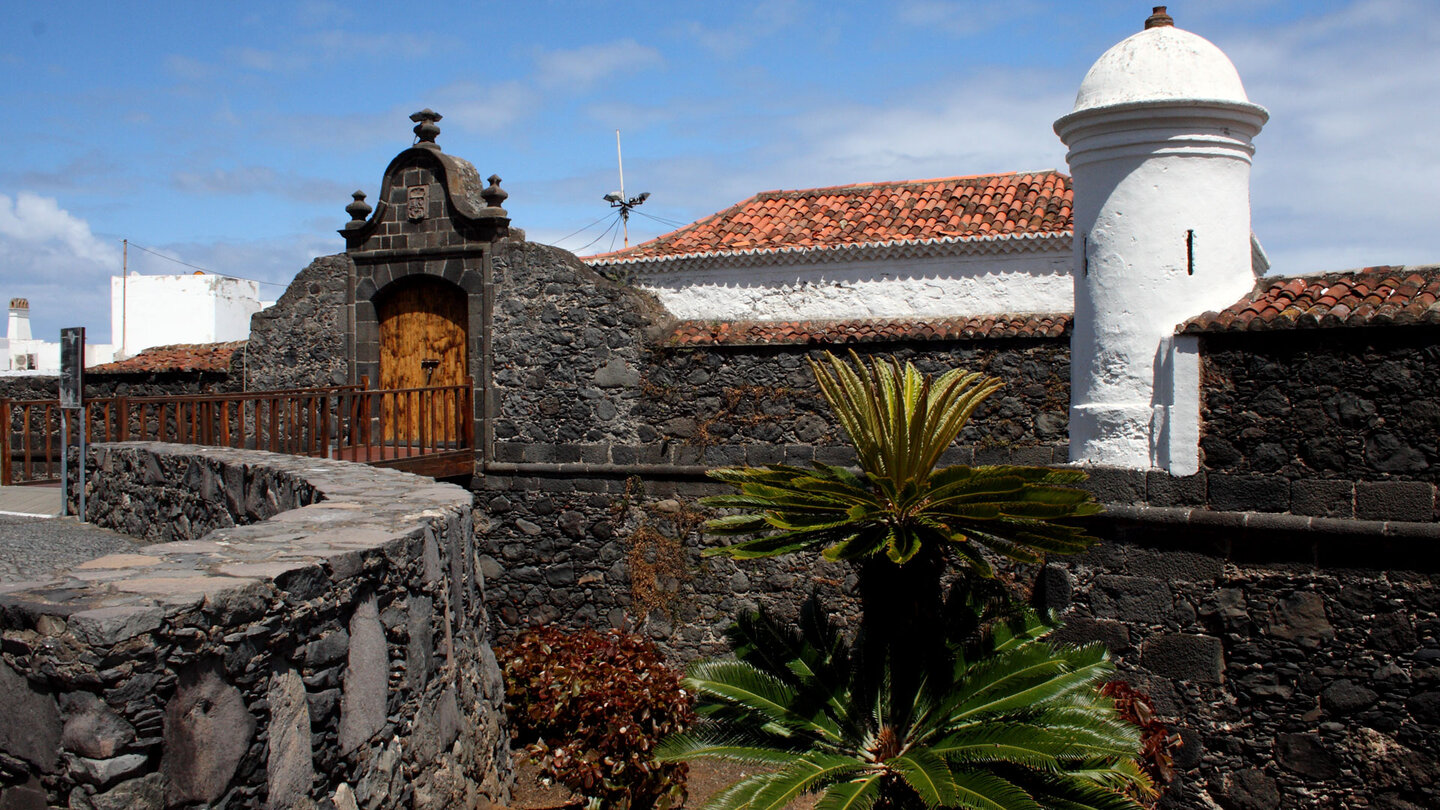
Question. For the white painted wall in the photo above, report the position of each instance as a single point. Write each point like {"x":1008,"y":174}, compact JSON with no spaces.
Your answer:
{"x":47,"y":355}
{"x":1146,"y":170}
{"x":148,"y":311}
{"x":906,"y":287}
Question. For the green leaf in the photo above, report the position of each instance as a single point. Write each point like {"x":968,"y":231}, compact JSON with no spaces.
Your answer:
{"x":857,"y":794}
{"x":742,"y":684}
{"x":680,"y":747}
{"x":986,"y":791}
{"x":739,"y":795}
{"x":928,"y":775}
{"x":803,"y":776}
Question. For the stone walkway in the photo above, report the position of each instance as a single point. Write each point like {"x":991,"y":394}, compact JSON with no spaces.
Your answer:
{"x":35,"y":547}
{"x":30,"y":501}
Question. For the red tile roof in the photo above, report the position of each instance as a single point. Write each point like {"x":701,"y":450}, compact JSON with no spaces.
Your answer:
{"x":946,"y":209}
{"x":751,"y":333}
{"x":1374,"y":296}
{"x":179,"y":357}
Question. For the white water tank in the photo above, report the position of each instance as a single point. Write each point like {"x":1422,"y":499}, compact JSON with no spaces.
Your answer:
{"x":1160,"y":149}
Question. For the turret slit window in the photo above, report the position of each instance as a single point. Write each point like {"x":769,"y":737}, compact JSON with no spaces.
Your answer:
{"x":1190,"y":251}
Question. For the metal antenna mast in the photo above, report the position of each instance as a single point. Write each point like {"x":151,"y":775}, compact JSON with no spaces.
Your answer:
{"x":617,"y":199}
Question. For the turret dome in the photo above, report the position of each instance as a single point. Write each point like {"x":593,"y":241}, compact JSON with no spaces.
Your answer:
{"x":1161,"y":63}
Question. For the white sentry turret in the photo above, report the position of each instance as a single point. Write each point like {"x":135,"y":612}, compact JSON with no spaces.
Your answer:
{"x":1160,"y":148}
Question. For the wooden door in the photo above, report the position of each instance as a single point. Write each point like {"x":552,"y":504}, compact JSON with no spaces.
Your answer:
{"x":422,"y":345}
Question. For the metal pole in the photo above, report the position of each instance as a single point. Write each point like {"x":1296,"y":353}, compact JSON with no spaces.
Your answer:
{"x":80,"y":462}
{"x":64,"y":465}
{"x":124,"y":297}
{"x":624,"y":211}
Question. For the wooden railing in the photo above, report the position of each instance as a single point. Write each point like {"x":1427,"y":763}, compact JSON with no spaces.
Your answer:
{"x":409,"y":427}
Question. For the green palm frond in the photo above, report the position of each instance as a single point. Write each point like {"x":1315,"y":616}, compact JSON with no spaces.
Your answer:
{"x":1023,"y":726}
{"x":860,"y":793}
{"x":985,"y":790}
{"x":739,"y":795}
{"x":733,"y":748}
{"x":760,"y":693}
{"x":928,"y":775}
{"x":805,"y":775}
{"x":900,"y":422}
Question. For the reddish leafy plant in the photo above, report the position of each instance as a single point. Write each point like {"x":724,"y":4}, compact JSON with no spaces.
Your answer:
{"x":590,"y":706}
{"x":1135,"y":707}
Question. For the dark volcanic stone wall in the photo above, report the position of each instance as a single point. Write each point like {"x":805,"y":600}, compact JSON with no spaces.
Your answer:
{"x":1359,"y":404}
{"x":1301,"y":670}
{"x":330,"y":650}
{"x":602,"y":435}
{"x":569,"y":352}
{"x":300,"y":341}
{"x":760,"y":405}
{"x":582,"y":376}
{"x":607,"y":551}
{"x":133,"y":384}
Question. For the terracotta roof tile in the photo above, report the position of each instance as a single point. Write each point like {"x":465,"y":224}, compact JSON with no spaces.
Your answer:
{"x":756,"y":333}
{"x":951,"y":208}
{"x":1374,"y":296}
{"x":177,"y":357}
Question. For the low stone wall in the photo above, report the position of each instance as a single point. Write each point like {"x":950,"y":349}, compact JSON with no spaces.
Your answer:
{"x":607,"y":551}
{"x":1313,"y":404}
{"x":1301,"y":667}
{"x":1268,"y":501}
{"x":1298,"y":655}
{"x":305,"y":633}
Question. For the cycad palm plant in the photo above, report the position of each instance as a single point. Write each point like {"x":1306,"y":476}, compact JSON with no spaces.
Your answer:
{"x":899,"y":517}
{"x":1015,"y":723}
{"x":900,"y":422}
{"x":931,"y":709}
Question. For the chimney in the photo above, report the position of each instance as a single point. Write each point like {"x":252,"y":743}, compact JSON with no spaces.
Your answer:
{"x":19,"y":326}
{"x":1158,"y":18}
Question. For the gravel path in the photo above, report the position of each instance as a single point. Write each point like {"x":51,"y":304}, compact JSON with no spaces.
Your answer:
{"x":32,"y":548}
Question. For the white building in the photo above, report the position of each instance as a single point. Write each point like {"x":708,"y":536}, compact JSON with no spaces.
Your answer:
{"x":148,"y":311}
{"x":1160,"y":146}
{"x":23,"y":353}
{"x":916,"y":249}
{"x":145,"y":311}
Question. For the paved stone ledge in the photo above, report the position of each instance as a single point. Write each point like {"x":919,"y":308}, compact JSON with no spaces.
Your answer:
{"x":1272,"y":521}
{"x":301,"y":631}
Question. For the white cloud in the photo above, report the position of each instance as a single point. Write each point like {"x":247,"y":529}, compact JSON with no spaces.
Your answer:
{"x":989,"y":123}
{"x":482,"y":108}
{"x":341,"y":44}
{"x":764,"y":19}
{"x":247,"y":180}
{"x":34,"y":223}
{"x":318,"y":12}
{"x":964,"y":19}
{"x":51,"y":257}
{"x":1347,"y":171}
{"x":187,"y":69}
{"x":269,"y":61}
{"x":578,"y":68}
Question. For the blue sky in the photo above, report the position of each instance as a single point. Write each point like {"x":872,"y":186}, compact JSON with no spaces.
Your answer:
{"x":230,"y":135}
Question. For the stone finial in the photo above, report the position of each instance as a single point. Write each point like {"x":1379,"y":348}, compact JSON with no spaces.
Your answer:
{"x":425,"y":128}
{"x":1158,"y":18}
{"x":359,"y":210}
{"x":493,"y":194}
